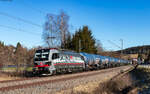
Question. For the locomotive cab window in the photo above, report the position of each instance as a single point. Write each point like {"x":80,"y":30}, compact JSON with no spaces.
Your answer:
{"x":63,"y":57}
{"x":55,"y":56}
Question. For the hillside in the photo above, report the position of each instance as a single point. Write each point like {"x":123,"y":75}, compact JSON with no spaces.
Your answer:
{"x":136,"y":50}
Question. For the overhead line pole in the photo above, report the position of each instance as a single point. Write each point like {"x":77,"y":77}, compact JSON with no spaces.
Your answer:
{"x":79,"y":45}
{"x":121,"y":47}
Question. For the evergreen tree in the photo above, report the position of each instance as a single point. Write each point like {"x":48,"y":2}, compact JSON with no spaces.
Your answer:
{"x":84,"y":41}
{"x":68,"y":43}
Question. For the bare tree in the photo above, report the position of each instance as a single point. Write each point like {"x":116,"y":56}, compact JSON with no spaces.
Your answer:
{"x":55,"y":29}
{"x":64,"y":18}
{"x":51,"y":34}
{"x":19,"y":57}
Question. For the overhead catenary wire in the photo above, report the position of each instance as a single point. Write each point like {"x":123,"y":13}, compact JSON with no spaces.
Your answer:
{"x":20,"y":19}
{"x":16,"y":29}
{"x":114,"y":44}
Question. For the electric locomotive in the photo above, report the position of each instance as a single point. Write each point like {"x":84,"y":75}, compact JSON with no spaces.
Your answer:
{"x":50,"y":61}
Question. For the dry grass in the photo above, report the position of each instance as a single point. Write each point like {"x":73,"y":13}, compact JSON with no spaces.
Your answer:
{"x":117,"y":86}
{"x":20,"y":74}
{"x":4,"y":76}
{"x":110,"y":87}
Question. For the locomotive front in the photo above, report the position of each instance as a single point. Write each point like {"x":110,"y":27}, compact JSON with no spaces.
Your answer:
{"x":42,"y":61}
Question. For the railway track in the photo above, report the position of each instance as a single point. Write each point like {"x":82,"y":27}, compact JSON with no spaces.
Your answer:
{"x":56,"y":83}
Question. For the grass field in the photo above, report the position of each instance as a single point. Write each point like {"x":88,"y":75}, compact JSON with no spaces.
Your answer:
{"x":9,"y":69}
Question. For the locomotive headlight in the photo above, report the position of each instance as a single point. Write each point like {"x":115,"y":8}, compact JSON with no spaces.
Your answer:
{"x":41,"y":63}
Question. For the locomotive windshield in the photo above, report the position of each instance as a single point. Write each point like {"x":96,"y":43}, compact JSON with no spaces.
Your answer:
{"x":55,"y":56}
{"x":41,"y":55}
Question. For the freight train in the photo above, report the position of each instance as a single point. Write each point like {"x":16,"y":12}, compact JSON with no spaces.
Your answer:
{"x":51,"y":61}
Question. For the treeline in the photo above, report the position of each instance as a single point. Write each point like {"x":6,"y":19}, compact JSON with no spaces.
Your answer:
{"x":143,"y":52}
{"x":145,"y":49}
{"x":19,"y":55}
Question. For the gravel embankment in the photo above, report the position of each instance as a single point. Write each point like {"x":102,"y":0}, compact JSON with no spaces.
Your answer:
{"x":49,"y":85}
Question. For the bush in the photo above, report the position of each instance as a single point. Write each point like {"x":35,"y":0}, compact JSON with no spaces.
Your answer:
{"x":116,"y":86}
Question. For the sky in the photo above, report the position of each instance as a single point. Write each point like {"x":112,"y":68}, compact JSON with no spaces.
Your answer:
{"x":109,"y":20}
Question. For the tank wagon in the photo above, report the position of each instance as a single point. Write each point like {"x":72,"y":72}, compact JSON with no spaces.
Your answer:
{"x":51,"y":61}
{"x":93,"y":61}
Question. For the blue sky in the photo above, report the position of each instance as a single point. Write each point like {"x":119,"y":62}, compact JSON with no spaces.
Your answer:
{"x":108,"y":19}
